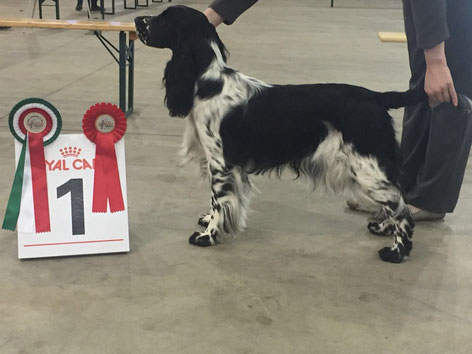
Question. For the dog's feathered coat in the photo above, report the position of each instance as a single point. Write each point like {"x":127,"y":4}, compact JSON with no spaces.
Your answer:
{"x":338,"y":136}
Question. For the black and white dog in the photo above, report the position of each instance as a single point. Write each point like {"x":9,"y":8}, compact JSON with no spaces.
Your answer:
{"x":335,"y":135}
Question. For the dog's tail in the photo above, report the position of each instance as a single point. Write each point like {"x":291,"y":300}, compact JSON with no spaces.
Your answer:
{"x":395,"y":99}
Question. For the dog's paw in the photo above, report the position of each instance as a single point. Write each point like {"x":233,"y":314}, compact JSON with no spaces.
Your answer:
{"x":204,"y":220}
{"x":380,"y":228}
{"x":392,"y":255}
{"x":202,"y":239}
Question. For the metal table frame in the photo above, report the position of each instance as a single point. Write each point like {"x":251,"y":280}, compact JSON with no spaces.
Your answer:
{"x":41,"y":9}
{"x":102,"y":5}
{"x":137,"y":4}
{"x":124,"y":59}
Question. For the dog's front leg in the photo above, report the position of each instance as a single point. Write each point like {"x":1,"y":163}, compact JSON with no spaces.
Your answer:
{"x":230,"y":196}
{"x":231,"y":190}
{"x":221,"y":187}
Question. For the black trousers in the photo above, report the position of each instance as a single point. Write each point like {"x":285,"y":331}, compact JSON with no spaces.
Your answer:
{"x":436,"y":142}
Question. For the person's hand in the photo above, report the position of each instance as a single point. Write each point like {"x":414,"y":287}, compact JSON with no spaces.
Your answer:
{"x":438,"y":83}
{"x":213,"y":17}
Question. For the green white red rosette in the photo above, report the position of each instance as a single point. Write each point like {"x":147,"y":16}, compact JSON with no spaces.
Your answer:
{"x":35,"y":123}
{"x":105,"y":124}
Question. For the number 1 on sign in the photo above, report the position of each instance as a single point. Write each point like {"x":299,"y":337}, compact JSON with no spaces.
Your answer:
{"x":76,"y":189}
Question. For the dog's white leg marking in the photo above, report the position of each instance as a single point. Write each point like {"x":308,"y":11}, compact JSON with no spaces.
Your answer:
{"x":231,"y":192}
{"x":230,"y":196}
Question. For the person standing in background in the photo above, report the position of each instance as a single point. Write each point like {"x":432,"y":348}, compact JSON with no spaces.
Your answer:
{"x":436,"y":137}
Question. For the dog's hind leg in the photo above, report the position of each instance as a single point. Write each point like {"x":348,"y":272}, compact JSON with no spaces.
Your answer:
{"x":230,"y":196}
{"x":371,"y":185}
{"x":401,"y":226}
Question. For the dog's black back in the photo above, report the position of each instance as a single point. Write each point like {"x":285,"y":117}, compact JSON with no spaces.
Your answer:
{"x":282,"y":125}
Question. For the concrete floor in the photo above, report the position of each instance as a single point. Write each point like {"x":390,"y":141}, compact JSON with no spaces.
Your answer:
{"x":305,"y":276}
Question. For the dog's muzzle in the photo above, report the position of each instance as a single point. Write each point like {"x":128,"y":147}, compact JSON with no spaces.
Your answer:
{"x":142,"y":28}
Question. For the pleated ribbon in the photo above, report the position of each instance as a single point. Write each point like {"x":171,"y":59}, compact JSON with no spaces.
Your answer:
{"x":106,"y":183}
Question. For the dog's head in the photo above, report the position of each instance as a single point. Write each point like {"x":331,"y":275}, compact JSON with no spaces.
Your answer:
{"x":188,"y":34}
{"x":174,"y":24}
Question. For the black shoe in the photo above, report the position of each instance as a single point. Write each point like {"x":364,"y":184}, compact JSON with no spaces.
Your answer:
{"x":95,"y":8}
{"x":78,"y":7}
{"x":423,"y":215}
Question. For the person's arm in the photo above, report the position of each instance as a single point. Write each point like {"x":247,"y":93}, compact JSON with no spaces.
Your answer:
{"x":429,"y":17}
{"x":226,"y":11}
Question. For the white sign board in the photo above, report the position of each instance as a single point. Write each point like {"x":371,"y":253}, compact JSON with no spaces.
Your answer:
{"x":75,"y":230}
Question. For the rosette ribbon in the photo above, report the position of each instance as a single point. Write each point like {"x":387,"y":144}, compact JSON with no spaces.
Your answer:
{"x":104,"y":124}
{"x":34,"y":123}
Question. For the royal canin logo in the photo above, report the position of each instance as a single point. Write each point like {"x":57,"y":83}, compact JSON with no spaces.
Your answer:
{"x":65,"y":164}
{"x":70,"y":151}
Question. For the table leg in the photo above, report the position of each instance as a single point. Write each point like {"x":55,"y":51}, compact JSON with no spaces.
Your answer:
{"x":133,"y":8}
{"x":131,"y":78}
{"x":145,"y":5}
{"x":112,"y":8}
{"x":122,"y":65}
{"x":57,"y":10}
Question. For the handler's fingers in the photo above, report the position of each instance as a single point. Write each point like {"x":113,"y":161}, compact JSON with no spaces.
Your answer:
{"x":432,"y":100}
{"x":453,"y":94}
{"x":435,"y":98}
{"x":445,"y":96}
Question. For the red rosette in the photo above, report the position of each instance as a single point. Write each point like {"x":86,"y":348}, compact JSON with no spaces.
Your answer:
{"x":104,"y":124}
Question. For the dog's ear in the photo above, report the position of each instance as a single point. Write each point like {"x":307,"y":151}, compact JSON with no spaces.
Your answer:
{"x":191,"y":56}
{"x":179,"y":80}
